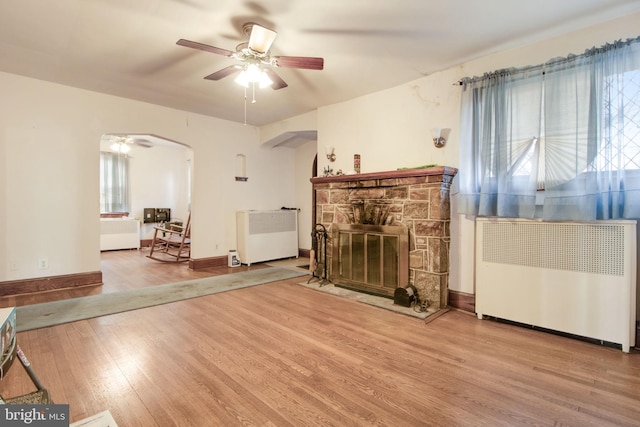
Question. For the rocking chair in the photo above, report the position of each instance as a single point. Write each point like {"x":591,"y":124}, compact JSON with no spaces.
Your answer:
{"x":172,"y":244}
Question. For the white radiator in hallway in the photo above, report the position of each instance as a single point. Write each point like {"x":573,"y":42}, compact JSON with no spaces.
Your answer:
{"x":119,"y":233}
{"x":267,"y":235}
{"x":576,"y":278}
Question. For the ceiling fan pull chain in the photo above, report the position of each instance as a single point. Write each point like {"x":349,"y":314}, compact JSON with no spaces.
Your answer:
{"x":245,"y":106}
{"x":253,"y":88}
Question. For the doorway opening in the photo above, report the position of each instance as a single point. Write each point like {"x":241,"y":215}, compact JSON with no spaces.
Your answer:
{"x":139,"y":173}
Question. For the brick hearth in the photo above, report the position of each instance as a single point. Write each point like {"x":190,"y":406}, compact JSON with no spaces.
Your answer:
{"x":419,"y":199}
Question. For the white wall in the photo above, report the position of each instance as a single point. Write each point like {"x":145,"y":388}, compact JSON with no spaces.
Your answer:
{"x":391,"y":129}
{"x":305,"y":155}
{"x":49,"y":181}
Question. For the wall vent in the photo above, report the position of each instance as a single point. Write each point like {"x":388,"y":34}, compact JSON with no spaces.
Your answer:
{"x":591,"y":248}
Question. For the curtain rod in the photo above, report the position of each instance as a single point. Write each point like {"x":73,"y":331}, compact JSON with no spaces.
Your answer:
{"x":553,"y":61}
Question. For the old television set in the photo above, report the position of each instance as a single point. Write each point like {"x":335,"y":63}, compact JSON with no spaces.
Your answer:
{"x":156,"y":215}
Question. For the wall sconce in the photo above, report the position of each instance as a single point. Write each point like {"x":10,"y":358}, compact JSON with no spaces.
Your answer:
{"x":438,"y":139}
{"x":331,"y":155}
{"x":241,"y":168}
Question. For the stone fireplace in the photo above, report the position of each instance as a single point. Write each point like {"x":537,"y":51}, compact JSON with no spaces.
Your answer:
{"x":413,"y":202}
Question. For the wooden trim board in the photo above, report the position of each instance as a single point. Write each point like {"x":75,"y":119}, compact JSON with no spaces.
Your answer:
{"x":51,"y":283}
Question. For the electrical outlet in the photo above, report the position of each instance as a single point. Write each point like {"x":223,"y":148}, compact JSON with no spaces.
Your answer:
{"x":43,"y":263}
{"x":14,"y":266}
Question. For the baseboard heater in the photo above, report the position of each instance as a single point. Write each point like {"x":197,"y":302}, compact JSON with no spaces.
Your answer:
{"x":119,"y":233}
{"x":575,"y":278}
{"x":267,"y":235}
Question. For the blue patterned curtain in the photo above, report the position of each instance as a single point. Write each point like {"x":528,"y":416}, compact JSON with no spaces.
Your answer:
{"x":570,"y":127}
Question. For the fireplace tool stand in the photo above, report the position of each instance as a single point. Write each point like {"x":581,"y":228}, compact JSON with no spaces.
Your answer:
{"x":318,"y":255}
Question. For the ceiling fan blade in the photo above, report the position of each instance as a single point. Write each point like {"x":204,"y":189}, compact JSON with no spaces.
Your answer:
{"x":278,"y":83}
{"x":307,"y":63}
{"x":224,"y":72}
{"x":261,"y":38}
{"x":204,"y":47}
{"x":143,"y":143}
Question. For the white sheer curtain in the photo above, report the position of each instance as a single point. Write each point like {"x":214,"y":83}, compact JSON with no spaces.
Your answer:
{"x":114,"y":182}
{"x":500,"y":143}
{"x":570,"y":126}
{"x":592,"y":118}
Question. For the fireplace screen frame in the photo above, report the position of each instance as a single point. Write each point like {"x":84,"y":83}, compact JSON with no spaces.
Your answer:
{"x":376,"y":241}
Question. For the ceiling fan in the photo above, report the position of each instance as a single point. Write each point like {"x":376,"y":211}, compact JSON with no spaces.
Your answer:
{"x":255,"y":59}
{"x":122,"y":143}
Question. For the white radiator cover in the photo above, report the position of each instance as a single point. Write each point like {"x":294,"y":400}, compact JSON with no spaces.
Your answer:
{"x":267,"y":235}
{"x":119,"y":233}
{"x":577,"y":278}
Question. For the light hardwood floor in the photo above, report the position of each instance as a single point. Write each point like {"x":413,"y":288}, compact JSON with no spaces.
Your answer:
{"x":284,"y":355}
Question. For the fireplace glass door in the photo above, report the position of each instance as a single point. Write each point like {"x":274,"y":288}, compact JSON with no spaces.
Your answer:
{"x":370,"y":258}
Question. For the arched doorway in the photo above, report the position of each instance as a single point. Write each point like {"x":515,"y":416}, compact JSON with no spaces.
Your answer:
{"x":158,"y":176}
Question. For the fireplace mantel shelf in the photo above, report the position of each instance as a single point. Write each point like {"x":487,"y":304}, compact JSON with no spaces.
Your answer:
{"x":404,"y":173}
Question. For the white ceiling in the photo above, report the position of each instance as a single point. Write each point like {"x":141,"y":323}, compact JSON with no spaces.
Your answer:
{"x":128,"y":47}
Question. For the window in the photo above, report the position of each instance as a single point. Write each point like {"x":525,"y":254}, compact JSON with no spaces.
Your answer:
{"x":570,"y":126}
{"x":114,"y":183}
{"x":622,"y":113}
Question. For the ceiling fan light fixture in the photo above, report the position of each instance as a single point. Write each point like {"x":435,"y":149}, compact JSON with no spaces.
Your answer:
{"x":242,"y":79}
{"x":261,"y":39}
{"x":253,"y":74}
{"x":264,"y":81}
{"x":120,"y":147}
